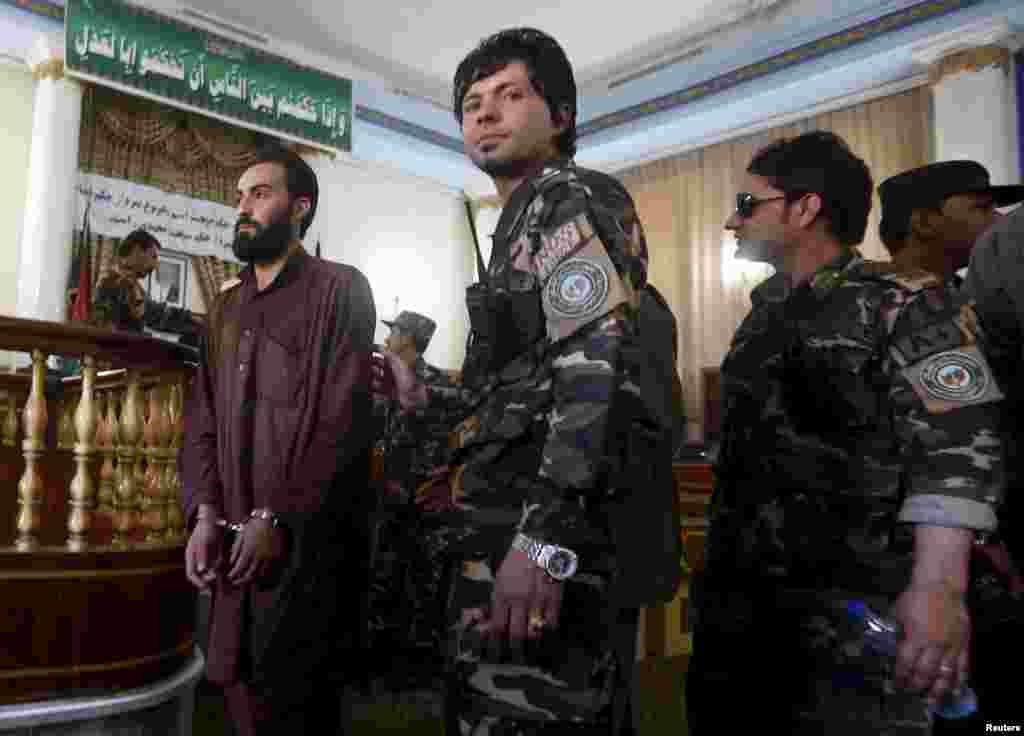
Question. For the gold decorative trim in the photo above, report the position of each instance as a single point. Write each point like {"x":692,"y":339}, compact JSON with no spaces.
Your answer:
{"x":970,"y":60}
{"x":49,"y":69}
{"x":84,"y":669}
{"x":89,"y":574}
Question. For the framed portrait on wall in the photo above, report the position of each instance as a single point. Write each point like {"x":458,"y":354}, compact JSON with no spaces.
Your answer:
{"x":168,"y":284}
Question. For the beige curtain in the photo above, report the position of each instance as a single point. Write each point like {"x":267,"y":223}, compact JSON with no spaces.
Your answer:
{"x":685,"y":200}
{"x":140,"y":140}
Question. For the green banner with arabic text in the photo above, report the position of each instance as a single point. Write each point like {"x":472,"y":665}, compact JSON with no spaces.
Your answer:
{"x":131,"y":46}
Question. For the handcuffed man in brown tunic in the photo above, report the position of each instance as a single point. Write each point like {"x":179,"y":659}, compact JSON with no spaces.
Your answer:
{"x":276,"y":462}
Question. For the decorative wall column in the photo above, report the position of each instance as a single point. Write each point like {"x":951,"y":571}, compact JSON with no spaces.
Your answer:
{"x":53,"y":174}
{"x":973,"y":95}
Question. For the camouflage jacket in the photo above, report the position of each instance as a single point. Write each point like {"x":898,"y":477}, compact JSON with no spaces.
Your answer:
{"x":563,"y":426}
{"x":855,"y":406}
{"x":416,"y":442}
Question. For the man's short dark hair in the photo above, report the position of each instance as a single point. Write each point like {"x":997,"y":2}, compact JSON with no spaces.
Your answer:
{"x":300,"y":177}
{"x":136,"y":238}
{"x":820,"y":162}
{"x":546,"y":64}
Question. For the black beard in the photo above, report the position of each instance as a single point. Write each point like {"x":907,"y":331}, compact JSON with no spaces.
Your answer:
{"x":267,"y":244}
{"x":503,"y":168}
{"x":759,"y":250}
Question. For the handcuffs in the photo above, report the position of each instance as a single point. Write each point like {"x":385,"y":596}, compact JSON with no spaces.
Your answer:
{"x":274,"y":519}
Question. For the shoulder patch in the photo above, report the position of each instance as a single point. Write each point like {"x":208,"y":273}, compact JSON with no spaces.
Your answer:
{"x":558,"y":244}
{"x":230,"y":284}
{"x":953,"y":379}
{"x":582,"y":288}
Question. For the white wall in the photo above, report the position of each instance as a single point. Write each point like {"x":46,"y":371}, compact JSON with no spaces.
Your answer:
{"x":17,"y":92}
{"x":410,"y":237}
{"x":487,"y":216}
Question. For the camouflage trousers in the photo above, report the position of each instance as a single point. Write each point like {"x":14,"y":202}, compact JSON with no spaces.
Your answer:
{"x":569,"y":675}
{"x":406,"y":601}
{"x":799,"y":670}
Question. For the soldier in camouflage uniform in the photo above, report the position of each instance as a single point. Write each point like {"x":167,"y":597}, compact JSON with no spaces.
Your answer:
{"x":414,"y":443}
{"x":562,"y":459}
{"x":416,"y":440}
{"x":931,"y":218}
{"x":859,"y":460}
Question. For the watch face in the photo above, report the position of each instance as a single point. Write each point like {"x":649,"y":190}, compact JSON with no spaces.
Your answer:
{"x":561,"y":564}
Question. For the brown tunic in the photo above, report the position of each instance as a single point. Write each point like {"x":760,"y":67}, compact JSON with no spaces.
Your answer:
{"x":279,"y":419}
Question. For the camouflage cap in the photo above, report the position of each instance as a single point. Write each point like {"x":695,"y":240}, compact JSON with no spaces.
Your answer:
{"x":419,"y":326}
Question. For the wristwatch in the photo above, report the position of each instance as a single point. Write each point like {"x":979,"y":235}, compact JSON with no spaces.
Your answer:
{"x":558,"y":562}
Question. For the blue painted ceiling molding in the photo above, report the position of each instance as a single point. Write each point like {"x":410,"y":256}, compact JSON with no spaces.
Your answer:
{"x":868,"y":31}
{"x":376,"y":117}
{"x":38,"y":7}
{"x":892,"y":22}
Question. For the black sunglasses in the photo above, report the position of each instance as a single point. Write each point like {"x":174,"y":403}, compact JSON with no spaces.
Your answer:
{"x":746,"y":203}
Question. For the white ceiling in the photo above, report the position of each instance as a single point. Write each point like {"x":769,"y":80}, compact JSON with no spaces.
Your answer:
{"x":627,"y":55}
{"x":416,"y":44}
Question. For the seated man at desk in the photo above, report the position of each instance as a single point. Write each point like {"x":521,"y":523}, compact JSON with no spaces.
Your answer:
{"x":121,"y":301}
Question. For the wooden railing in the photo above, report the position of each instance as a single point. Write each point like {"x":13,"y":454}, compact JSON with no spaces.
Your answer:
{"x":91,"y":529}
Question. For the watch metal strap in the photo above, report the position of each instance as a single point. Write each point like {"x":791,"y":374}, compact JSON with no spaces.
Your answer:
{"x":526,"y":544}
{"x":266,"y":515}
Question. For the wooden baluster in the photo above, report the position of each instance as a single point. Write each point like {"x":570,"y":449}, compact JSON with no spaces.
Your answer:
{"x":172,"y":483}
{"x":109,"y":477}
{"x":140,"y":466}
{"x":145,"y":488}
{"x":100,"y":400}
{"x":157,"y":439}
{"x":70,"y":430}
{"x":83,"y":488}
{"x":63,"y":423}
{"x":30,"y":487}
{"x":102,"y":443}
{"x":128,"y":439}
{"x":9,"y":426}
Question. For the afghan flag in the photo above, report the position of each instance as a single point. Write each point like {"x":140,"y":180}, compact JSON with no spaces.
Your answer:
{"x":83,"y":299}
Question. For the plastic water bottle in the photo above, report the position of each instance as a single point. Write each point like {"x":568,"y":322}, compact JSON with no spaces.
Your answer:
{"x":882,"y":637}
